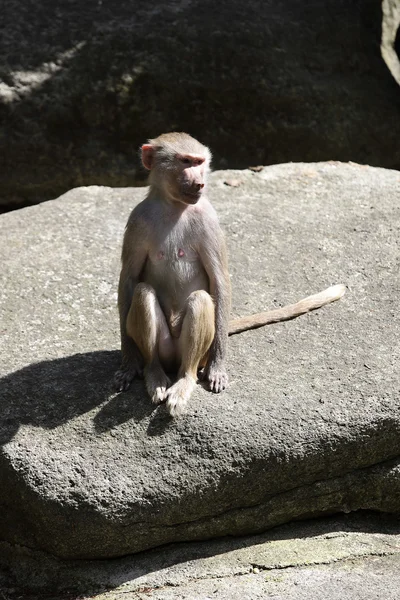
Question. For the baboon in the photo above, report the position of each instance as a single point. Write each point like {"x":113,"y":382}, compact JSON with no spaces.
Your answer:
{"x":174,"y":289}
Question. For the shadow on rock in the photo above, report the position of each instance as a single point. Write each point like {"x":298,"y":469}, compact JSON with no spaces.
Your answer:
{"x":154,"y":567}
{"x":132,"y":404}
{"x":155,"y":560}
{"x":50,"y":393}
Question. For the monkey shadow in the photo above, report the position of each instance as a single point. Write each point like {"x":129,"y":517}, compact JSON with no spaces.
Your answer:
{"x":120,"y":409}
{"x":50,"y":393}
{"x":133,"y":404}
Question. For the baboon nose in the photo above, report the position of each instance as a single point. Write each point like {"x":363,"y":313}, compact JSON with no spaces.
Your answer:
{"x":199,"y":186}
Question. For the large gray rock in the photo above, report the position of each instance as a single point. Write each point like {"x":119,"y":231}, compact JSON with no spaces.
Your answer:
{"x":84,"y":83}
{"x":310,"y":423}
{"x":354,"y":556}
{"x":390,"y":26}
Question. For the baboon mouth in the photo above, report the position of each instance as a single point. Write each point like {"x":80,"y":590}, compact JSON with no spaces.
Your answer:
{"x":193,"y":197}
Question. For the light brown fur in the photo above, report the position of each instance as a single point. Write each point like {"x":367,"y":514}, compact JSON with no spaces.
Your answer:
{"x":174,"y":289}
{"x":291,"y":311}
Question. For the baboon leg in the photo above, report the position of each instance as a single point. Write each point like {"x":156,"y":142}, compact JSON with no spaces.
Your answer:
{"x":197,"y":334}
{"x":147,"y":325}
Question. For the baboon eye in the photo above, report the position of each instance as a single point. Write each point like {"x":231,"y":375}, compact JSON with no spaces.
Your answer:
{"x":185,"y":161}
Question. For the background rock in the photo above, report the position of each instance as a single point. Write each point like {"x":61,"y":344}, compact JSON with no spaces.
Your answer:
{"x":390,"y":26}
{"x":310,"y":423}
{"x":83,"y":84}
{"x":322,"y":558}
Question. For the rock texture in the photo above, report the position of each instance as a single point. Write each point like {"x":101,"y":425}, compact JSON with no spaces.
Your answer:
{"x":357,"y":555}
{"x":83,"y":84}
{"x":310,"y":423}
{"x":390,"y":26}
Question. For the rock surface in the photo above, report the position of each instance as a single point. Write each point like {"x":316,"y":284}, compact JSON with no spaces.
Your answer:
{"x":83,"y":84}
{"x":309,"y":425}
{"x":356,"y":556}
{"x":390,"y":26}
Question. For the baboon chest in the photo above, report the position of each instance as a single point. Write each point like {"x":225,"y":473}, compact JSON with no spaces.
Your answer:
{"x":174,"y":264}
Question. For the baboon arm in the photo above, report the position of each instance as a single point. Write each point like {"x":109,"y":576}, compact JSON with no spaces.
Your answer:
{"x":134,"y":254}
{"x":214,"y":260}
{"x":286,"y":313}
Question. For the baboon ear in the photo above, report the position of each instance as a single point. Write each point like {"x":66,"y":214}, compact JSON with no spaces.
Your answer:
{"x":148,"y":156}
